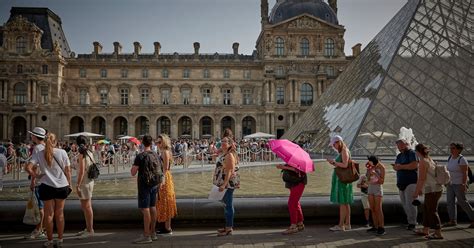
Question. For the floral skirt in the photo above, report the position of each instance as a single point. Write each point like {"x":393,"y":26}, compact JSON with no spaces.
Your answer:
{"x":166,"y":203}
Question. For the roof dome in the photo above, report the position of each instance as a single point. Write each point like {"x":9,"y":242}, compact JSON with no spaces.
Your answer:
{"x":286,"y":9}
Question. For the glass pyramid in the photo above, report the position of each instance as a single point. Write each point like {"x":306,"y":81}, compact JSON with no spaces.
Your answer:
{"x":416,"y":73}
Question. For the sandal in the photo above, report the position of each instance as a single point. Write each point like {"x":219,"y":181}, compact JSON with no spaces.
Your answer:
{"x":433,"y":236}
{"x":300,"y":226}
{"x":420,"y":232}
{"x":290,"y":230}
{"x":224,"y":233}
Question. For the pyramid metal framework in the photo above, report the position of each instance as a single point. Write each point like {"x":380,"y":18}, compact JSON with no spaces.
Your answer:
{"x":416,"y":73}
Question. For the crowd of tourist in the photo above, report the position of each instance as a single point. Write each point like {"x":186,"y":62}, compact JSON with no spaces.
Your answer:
{"x":49,"y":167}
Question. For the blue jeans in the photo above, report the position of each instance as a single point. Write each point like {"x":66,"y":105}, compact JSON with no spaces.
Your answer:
{"x":229,"y":207}
{"x":453,"y":192}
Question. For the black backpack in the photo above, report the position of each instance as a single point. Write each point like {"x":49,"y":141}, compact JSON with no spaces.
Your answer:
{"x":470,"y":176}
{"x":152,"y":171}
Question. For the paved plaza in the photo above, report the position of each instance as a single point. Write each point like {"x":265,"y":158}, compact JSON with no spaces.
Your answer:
{"x":315,"y":235}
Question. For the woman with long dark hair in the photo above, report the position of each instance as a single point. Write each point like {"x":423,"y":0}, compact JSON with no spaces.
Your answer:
{"x":427,"y":185}
{"x":85,"y":186}
{"x":55,"y":179}
{"x":225,"y":178}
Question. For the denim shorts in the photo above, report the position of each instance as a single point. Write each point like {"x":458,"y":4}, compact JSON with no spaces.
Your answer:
{"x":37,"y":195}
{"x":147,"y":196}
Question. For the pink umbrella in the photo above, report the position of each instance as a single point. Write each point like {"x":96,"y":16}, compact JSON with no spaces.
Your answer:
{"x":292,"y":154}
{"x":134,"y":140}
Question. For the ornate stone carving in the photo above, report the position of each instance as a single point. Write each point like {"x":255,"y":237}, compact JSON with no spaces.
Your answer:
{"x":56,"y":48}
{"x":291,"y":43}
{"x":304,"y":23}
{"x":268,"y":43}
{"x":19,"y":23}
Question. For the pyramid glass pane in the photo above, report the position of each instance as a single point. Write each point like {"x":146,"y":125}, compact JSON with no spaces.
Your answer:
{"x":416,"y":73}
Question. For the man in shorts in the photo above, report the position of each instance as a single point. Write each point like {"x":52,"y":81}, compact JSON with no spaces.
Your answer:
{"x":37,"y":136}
{"x":146,"y":194}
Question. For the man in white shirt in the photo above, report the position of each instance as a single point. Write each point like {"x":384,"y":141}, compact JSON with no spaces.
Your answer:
{"x":37,"y":136}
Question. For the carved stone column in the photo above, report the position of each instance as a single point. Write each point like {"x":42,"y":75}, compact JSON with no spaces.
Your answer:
{"x":174,"y":126}
{"x":109,"y":126}
{"x":33,"y":91}
{"x":152,"y":126}
{"x":238,"y":126}
{"x":87,"y":123}
{"x":131,"y":125}
{"x":217,"y":126}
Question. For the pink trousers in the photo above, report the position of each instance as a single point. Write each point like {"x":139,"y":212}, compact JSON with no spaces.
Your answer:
{"x":294,"y":206}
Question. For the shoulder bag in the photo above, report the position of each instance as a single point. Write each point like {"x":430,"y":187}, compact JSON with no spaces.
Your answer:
{"x":350,"y":173}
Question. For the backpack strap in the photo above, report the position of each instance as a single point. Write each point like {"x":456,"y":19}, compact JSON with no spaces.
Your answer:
{"x":459,"y":159}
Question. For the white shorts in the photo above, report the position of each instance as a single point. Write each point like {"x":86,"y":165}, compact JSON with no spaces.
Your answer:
{"x":86,"y":189}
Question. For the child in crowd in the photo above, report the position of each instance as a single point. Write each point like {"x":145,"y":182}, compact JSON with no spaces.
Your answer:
{"x":375,"y":178}
{"x":364,"y":197}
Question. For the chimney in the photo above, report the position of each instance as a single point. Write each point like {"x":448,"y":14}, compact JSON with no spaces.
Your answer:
{"x":333,"y":5}
{"x":117,"y":48}
{"x":356,"y":49}
{"x":196,"y":48}
{"x":235,"y":47}
{"x":97,"y":47}
{"x":137,"y":47}
{"x":157,"y":47}
{"x":264,"y":12}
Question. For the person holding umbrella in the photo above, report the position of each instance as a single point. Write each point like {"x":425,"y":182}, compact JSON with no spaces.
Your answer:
{"x":341,"y":193}
{"x":298,"y":163}
{"x":295,"y":181}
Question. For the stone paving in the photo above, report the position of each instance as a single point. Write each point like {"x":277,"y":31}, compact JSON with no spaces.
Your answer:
{"x":313,"y":236}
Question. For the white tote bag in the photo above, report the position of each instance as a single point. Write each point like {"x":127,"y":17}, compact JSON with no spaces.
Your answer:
{"x":32,"y":213}
{"x":215,"y":194}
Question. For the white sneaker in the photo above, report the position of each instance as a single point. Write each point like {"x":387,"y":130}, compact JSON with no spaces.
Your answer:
{"x":143,"y":240}
{"x":347,"y":227}
{"x":154,"y":237}
{"x":35,"y":234}
{"x":81,"y":232}
{"x":85,"y":235}
{"x":48,"y":244}
{"x":337,"y":228}
{"x":59,"y":243}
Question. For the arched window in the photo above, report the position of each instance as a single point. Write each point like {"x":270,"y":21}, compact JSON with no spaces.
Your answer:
{"x":329,"y":48}
{"x":304,"y":46}
{"x":20,"y":93}
{"x":280,"y":46}
{"x":20,"y":44}
{"x":306,"y":95}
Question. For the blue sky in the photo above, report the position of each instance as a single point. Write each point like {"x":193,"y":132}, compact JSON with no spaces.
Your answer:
{"x":176,"y":24}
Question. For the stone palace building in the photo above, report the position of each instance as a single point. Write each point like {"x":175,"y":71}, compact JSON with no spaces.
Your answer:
{"x":299,"y":53}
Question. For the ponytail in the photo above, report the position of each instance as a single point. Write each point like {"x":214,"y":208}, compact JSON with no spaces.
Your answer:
{"x":48,"y":150}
